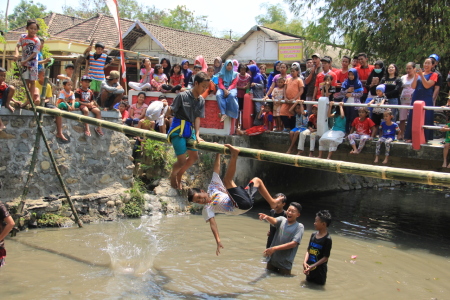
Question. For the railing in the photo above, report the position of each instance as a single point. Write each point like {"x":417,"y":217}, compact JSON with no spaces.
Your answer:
{"x":418,"y":108}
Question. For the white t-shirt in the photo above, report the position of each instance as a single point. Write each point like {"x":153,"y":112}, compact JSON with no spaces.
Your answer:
{"x":156,"y":112}
{"x":220,"y":200}
{"x":407,"y":90}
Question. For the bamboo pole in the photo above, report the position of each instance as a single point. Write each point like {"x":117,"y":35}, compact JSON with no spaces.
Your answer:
{"x":6,"y":28}
{"x":388,"y":173}
{"x":49,"y":150}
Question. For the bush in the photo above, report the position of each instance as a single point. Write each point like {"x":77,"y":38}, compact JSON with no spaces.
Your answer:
{"x":52,"y":220}
{"x":160,"y":154}
{"x":134,"y":208}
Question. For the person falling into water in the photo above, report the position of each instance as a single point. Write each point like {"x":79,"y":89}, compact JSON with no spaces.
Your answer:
{"x":226,"y":197}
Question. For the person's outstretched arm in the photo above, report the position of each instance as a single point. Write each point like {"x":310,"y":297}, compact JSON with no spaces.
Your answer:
{"x":215,"y":231}
{"x":217,"y":164}
{"x":8,"y":227}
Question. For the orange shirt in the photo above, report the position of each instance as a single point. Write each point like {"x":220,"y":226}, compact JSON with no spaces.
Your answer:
{"x":211,"y":88}
{"x":293,"y":86}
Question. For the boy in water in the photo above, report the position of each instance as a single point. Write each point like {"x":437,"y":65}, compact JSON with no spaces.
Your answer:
{"x":226,"y":197}
{"x":278,"y":211}
{"x":6,"y":224}
{"x":319,"y":248}
{"x":285,"y":243}
{"x":188,"y":107}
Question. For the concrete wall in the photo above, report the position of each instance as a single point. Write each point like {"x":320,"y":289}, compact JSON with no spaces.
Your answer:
{"x":87,"y":164}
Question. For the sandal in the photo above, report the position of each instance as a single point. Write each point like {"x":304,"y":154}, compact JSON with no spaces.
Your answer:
{"x":87,"y":133}
{"x":99,"y":131}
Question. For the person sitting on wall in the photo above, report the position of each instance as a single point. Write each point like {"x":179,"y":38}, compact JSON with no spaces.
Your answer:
{"x":111,"y":91}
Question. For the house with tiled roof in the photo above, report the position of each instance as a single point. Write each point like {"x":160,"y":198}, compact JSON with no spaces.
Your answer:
{"x":174,"y":44}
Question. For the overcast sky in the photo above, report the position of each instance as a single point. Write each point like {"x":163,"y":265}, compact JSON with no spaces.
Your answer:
{"x":238,"y":15}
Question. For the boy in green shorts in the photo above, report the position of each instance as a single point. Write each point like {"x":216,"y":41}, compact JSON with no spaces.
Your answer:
{"x":188,"y":107}
{"x":98,"y":62}
{"x":66,"y":99}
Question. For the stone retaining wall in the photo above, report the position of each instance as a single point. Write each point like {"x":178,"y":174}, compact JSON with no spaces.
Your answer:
{"x":88,"y":164}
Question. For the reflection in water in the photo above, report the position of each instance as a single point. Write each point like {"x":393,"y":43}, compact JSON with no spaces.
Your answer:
{"x":389,"y":243}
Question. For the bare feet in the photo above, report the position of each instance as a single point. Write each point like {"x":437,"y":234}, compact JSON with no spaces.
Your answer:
{"x":299,"y":152}
{"x":234,"y":151}
{"x":61,"y":136}
{"x":376,"y":160}
{"x":224,"y":116}
{"x":2,"y":126}
{"x":385,"y":161}
{"x":173,"y":181}
{"x":311,"y":154}
{"x":448,"y":166}
{"x":240,"y":132}
{"x":12,"y":109}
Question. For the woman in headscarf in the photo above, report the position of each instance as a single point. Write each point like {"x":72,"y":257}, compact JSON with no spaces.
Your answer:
{"x":276,"y":71}
{"x":352,"y":90}
{"x":217,"y":65}
{"x":257,"y":87}
{"x":235,"y":65}
{"x":187,"y":73}
{"x":200,"y":60}
{"x":227,"y":92}
{"x":165,"y":63}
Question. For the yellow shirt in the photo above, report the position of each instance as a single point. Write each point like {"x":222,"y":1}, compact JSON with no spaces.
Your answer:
{"x":49,"y":93}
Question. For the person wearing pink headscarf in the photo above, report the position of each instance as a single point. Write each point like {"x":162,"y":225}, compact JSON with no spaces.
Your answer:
{"x":200,"y":60}
{"x":235,"y":65}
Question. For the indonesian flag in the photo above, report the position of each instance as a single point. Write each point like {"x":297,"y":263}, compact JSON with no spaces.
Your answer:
{"x":114,"y":9}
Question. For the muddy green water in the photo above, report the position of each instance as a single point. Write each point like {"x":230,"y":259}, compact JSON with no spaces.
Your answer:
{"x":400,"y":237}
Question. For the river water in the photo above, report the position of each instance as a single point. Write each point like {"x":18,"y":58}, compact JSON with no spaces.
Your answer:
{"x":399,"y":236}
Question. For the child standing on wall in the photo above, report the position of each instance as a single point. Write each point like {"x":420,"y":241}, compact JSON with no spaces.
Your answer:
{"x":363,"y":129}
{"x":277,"y":96}
{"x":188,"y":107}
{"x":333,"y":138}
{"x":301,"y":123}
{"x":98,"y":62}
{"x":31,"y":46}
{"x":379,"y":99}
{"x":311,"y":131}
{"x":387,"y":135}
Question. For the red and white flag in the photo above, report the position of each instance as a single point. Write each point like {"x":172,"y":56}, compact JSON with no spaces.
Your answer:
{"x":114,"y":9}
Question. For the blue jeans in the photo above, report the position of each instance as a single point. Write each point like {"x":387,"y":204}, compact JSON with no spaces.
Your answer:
{"x":229,"y":105}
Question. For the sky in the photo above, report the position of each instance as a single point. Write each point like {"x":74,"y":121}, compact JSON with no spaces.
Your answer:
{"x":237,"y":15}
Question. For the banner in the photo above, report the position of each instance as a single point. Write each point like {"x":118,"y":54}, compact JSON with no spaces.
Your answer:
{"x":114,"y":9}
{"x":289,"y":51}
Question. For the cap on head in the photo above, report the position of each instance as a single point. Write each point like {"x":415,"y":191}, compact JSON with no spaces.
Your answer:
{"x":315,"y":55}
{"x":113,"y":75}
{"x":69,"y":66}
{"x":326,"y":59}
{"x":198,"y":67}
{"x":101,"y":45}
{"x":86,"y":78}
{"x":381,"y":87}
{"x":435,"y":56}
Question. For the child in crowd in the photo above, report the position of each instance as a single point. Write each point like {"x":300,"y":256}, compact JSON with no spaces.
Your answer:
{"x":326,"y":89}
{"x":315,"y":265}
{"x":31,"y":46}
{"x":159,"y":78}
{"x":137,"y":110}
{"x":351,"y":91}
{"x":156,"y":113}
{"x":301,"y":123}
{"x":6,"y":94}
{"x":333,"y":137}
{"x":388,"y":128}
{"x":379,"y":99}
{"x":98,"y":62}
{"x":188,"y":107}
{"x":242,"y":85}
{"x":277,"y":96}
{"x":211,"y":90}
{"x":277,"y":211}
{"x":146,"y":77}
{"x":262,"y":69}
{"x":176,"y":82}
{"x":445,"y":129}
{"x":123,"y":110}
{"x":293,"y":91}
{"x":311,"y":131}
{"x":265,"y":115}
{"x":217,"y":65}
{"x":69,"y":68}
{"x":187,"y":73}
{"x":85,"y":96}
{"x":197,"y":68}
{"x":66,"y":99}
{"x":363,"y":128}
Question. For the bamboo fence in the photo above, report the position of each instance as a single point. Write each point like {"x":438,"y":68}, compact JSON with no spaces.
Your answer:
{"x":387,"y":173}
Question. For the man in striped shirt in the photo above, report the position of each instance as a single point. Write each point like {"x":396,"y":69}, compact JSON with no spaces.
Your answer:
{"x":98,"y":61}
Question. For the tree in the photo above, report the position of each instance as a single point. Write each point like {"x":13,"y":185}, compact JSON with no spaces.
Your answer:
{"x":184,"y":19}
{"x":24,"y":11}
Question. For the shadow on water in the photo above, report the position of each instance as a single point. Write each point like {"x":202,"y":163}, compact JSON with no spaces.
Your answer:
{"x":406,"y":216}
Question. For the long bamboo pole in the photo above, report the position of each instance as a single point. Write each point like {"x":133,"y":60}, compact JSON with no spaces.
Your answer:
{"x":49,"y":150}
{"x":388,"y":173}
{"x":6,"y":28}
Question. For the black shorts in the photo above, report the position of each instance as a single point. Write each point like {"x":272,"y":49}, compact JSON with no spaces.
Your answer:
{"x":49,"y":105}
{"x":244,"y":197}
